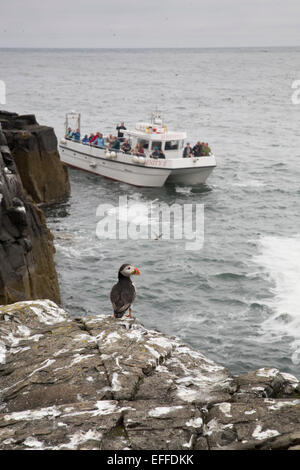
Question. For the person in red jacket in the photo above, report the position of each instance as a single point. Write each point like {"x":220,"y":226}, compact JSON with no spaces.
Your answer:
{"x":93,"y":137}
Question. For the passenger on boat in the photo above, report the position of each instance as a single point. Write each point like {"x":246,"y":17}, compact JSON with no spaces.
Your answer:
{"x":85,"y":140}
{"x":161,"y":154}
{"x":138,"y":150}
{"x":93,"y":138}
{"x":99,"y":141}
{"x":116,"y":144}
{"x":155,"y":153}
{"x":109,"y":140}
{"x":197,"y":149}
{"x":135,"y":149}
{"x":141,"y":152}
{"x":120,"y":133}
{"x":187,"y":152}
{"x":69,"y":133}
{"x":205,"y":149}
{"x":126,"y":147}
{"x":76,"y":135}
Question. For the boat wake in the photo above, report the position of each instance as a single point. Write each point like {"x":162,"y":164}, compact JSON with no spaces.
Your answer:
{"x":280,"y":260}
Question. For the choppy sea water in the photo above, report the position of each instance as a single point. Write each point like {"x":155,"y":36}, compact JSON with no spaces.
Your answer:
{"x":236,"y":299}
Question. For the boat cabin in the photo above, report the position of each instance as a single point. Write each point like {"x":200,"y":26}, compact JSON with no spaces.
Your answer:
{"x":155,"y":134}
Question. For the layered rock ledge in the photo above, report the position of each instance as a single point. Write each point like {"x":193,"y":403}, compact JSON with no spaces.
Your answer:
{"x":27,"y":269}
{"x":34,"y":149}
{"x":101,"y":383}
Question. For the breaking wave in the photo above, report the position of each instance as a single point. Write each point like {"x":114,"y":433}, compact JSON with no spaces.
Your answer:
{"x":280,"y":261}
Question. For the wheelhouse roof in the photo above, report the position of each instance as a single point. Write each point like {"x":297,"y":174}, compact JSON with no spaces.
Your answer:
{"x":164,"y":136}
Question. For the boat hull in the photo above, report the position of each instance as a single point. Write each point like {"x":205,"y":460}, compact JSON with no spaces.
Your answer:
{"x":114,"y":170}
{"x":189,"y":176}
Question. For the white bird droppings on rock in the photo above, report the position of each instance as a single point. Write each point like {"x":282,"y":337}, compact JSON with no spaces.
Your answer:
{"x":29,"y":415}
{"x":194,"y":423}
{"x":79,"y":358}
{"x":266,"y":372}
{"x":115,"y":383}
{"x":260,"y":435}
{"x":225,"y":408}
{"x":163,"y":411}
{"x":2,"y":353}
{"x":33,"y":443}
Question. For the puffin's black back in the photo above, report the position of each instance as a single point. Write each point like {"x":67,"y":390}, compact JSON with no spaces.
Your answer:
{"x":122,"y":294}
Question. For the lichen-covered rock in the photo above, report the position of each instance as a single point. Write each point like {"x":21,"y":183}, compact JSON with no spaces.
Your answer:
{"x":34,"y":149}
{"x":102,"y":383}
{"x":27,"y":269}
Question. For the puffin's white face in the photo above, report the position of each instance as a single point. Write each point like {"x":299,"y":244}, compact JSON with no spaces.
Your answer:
{"x":129,"y":270}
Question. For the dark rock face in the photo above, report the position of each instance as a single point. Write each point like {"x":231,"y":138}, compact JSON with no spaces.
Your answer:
{"x":27,"y":268}
{"x":34,"y":149}
{"x":102,"y":383}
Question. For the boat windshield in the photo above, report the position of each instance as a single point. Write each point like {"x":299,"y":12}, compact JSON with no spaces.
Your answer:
{"x":173,"y":144}
{"x":156,"y":144}
{"x":144,"y":143}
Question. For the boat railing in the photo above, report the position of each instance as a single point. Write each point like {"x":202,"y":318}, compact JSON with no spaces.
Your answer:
{"x":106,"y":147}
{"x":102,"y":147}
{"x":86,"y":143}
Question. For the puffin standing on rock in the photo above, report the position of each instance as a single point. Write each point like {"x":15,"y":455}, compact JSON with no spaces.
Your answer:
{"x":123,"y":293}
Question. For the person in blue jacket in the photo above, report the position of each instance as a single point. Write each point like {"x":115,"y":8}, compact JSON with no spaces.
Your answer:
{"x":85,"y":140}
{"x":155,"y":153}
{"x":76,"y":135}
{"x":99,"y":141}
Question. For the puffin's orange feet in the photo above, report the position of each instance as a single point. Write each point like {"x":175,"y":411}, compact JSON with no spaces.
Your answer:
{"x":129,"y":314}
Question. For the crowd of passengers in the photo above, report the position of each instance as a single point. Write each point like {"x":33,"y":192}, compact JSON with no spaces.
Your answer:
{"x":201,"y":149}
{"x":120,"y":143}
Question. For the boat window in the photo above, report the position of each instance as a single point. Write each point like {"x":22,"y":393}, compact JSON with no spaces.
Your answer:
{"x":156,"y":144}
{"x":144,"y":143}
{"x":172,"y":145}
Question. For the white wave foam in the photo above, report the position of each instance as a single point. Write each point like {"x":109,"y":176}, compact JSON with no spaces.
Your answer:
{"x":249,"y":184}
{"x":183,"y":189}
{"x":134,"y":211}
{"x":280,"y":259}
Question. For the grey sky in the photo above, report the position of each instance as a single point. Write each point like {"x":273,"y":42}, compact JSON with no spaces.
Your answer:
{"x":149,"y":23}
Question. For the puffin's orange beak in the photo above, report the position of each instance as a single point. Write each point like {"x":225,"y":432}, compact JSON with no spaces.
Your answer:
{"x":136,"y":271}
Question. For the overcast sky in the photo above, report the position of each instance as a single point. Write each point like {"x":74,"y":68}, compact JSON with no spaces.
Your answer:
{"x":149,"y":23}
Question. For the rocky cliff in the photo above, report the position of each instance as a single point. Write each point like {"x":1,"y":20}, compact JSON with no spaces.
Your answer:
{"x":101,"y":383}
{"x":34,"y":149}
{"x":27,"y":269}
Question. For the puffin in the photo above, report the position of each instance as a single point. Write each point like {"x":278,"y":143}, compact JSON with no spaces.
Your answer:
{"x":123,"y":293}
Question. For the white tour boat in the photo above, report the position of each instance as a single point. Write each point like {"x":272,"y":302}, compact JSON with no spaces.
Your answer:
{"x":144,"y":171}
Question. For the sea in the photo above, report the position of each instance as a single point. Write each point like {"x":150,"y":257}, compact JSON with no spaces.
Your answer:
{"x":237,"y":297}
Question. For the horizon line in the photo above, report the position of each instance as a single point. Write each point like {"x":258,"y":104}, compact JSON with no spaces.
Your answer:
{"x":150,"y":47}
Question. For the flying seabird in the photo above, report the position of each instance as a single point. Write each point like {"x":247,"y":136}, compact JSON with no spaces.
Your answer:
{"x":123,"y":293}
